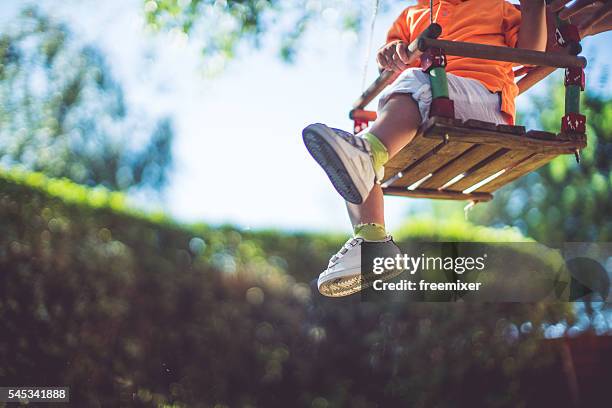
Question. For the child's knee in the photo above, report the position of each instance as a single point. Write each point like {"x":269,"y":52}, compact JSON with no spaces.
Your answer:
{"x":400,"y":106}
{"x":404,"y":99}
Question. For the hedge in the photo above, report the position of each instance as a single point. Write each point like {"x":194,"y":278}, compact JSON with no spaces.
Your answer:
{"x":134,"y":309}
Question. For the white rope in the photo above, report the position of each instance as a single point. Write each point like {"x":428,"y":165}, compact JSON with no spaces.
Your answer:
{"x":431,"y":19}
{"x":364,"y":76}
{"x":376,"y":7}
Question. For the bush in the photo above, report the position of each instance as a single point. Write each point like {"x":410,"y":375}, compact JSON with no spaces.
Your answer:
{"x":130,"y":309}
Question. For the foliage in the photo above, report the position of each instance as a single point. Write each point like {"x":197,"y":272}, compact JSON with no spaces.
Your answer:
{"x":563,"y":201}
{"x":428,"y":228}
{"x":135,"y":310}
{"x":63,"y":113}
{"x":223,"y":25}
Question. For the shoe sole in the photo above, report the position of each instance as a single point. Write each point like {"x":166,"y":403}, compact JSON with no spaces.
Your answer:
{"x":322,"y":151}
{"x":348,"y":285}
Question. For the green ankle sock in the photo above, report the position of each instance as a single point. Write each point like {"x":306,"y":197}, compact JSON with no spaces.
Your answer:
{"x":380,"y":155}
{"x":370,"y":231}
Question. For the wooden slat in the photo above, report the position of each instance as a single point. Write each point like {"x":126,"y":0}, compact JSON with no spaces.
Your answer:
{"x":439,"y":120}
{"x":489,"y":168}
{"x":463,"y":134}
{"x":508,"y":54}
{"x":374,"y":89}
{"x":540,"y":134}
{"x":430,"y":163}
{"x":459,"y":165}
{"x":579,"y":138}
{"x":515,"y":130}
{"x":479,"y":124}
{"x":582,"y":137}
{"x":436,"y":194}
{"x":533,"y":77}
{"x":533,"y":163}
{"x":409,"y":155}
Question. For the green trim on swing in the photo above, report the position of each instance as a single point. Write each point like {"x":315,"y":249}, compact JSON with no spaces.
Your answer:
{"x":572,"y":99}
{"x":439,"y":82}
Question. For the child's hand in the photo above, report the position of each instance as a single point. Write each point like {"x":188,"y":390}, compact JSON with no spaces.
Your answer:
{"x":394,"y":56}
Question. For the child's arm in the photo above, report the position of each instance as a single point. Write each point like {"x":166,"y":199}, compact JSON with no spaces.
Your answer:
{"x":532,"y":34}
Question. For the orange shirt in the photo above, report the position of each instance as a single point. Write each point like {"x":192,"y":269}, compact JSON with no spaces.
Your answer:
{"x":492,"y":22}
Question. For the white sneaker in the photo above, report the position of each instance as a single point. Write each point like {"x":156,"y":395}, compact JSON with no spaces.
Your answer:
{"x":343,"y":275}
{"x":345,"y":158}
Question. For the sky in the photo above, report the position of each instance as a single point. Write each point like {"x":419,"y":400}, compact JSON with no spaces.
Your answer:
{"x":238,"y":152}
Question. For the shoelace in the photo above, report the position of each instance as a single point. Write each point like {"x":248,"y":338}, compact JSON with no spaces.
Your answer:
{"x":357,"y":142}
{"x":352,"y":242}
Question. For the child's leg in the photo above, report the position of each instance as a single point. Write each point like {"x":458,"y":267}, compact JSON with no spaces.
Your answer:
{"x":353,"y":163}
{"x":396,"y":126}
{"x":397,"y":123}
{"x":371,"y":211}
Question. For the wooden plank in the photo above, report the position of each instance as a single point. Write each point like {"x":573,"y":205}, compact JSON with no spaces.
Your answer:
{"x":431,"y":162}
{"x":416,"y":149}
{"x":374,"y":89}
{"x":480,"y":124}
{"x":507,"y":140}
{"x":459,"y":165}
{"x":436,"y":194}
{"x":532,"y":163}
{"x":439,"y":120}
{"x":533,"y":77}
{"x":515,"y":130}
{"x":581,"y":137}
{"x":508,"y":54}
{"x":540,"y":134}
{"x":489,"y":167}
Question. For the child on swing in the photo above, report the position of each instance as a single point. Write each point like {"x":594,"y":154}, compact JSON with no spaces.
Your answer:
{"x":482,"y":90}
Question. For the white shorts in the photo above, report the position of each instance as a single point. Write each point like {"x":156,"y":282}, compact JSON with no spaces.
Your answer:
{"x":472,"y":99}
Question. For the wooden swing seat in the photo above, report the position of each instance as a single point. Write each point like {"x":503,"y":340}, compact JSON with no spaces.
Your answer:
{"x":469,"y":160}
{"x":456,"y":160}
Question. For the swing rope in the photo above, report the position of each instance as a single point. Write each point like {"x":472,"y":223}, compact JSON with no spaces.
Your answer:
{"x":376,"y":7}
{"x":431,"y":19}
